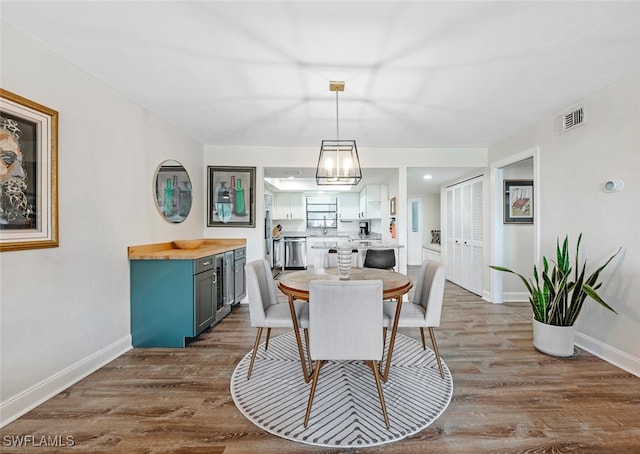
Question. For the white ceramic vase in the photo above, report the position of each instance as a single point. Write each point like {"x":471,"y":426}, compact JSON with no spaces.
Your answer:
{"x":344,"y":261}
{"x":554,"y":340}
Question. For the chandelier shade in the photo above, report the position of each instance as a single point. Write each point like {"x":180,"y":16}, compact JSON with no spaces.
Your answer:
{"x":338,"y":163}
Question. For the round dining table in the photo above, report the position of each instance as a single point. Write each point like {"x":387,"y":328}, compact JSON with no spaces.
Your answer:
{"x":295,"y":286}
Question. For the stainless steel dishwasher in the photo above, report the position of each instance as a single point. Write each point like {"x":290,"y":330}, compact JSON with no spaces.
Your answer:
{"x":295,"y":253}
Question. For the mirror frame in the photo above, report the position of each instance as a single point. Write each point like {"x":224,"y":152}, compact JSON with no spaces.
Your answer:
{"x":169,"y":174}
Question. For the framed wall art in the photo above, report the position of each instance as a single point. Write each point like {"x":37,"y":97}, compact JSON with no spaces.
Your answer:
{"x":518,"y":201}
{"x":28,"y":174}
{"x":231,"y":196}
{"x":392,"y":206}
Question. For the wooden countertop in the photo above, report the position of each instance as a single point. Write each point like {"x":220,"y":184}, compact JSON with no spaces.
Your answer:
{"x":169,"y":251}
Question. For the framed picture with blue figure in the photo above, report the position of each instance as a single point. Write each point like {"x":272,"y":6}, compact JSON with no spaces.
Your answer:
{"x":28,"y":174}
{"x":231,"y":196}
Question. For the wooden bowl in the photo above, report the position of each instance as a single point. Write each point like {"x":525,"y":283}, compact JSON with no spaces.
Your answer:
{"x":188,"y":244}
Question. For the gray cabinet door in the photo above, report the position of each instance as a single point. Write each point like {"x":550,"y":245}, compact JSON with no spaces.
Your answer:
{"x":205,"y":308}
{"x":241,"y":289}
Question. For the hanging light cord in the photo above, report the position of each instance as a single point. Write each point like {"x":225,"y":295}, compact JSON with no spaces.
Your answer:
{"x":337,"y":122}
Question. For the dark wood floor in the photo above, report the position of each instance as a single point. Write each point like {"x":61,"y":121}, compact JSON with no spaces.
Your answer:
{"x":507,"y":397}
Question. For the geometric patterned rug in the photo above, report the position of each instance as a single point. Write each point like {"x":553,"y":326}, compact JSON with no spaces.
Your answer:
{"x":346,"y":409}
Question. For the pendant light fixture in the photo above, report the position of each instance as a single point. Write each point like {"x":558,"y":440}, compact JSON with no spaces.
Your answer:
{"x":338,"y":163}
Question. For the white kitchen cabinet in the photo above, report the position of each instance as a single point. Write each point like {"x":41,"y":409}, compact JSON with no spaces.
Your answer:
{"x":430,"y":254}
{"x":362,"y":203}
{"x":289,"y":205}
{"x":370,"y":201}
{"x":348,"y":205}
{"x":464,"y":234}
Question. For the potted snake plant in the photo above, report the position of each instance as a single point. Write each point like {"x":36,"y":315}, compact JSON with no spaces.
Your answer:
{"x":557,"y":298}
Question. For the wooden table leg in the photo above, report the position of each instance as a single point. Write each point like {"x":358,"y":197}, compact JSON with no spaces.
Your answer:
{"x":394,"y":329}
{"x":296,"y":330}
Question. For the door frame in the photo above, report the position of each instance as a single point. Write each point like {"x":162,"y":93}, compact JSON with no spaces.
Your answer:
{"x":411,"y":246}
{"x":497,"y":226}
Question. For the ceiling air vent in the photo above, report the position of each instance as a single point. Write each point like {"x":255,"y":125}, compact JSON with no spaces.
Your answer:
{"x":570,"y":120}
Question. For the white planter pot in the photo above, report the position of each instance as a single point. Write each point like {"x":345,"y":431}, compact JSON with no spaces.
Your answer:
{"x":554,"y":340}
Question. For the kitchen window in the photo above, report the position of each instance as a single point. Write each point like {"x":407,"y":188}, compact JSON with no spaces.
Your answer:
{"x":322,"y":213}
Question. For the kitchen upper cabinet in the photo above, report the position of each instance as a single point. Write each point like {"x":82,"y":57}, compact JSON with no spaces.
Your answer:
{"x":370,"y":201}
{"x":348,"y":205}
{"x":289,"y":205}
{"x":464,"y":234}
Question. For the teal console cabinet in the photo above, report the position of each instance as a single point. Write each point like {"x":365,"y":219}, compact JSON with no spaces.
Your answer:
{"x":174,"y":292}
{"x":171,"y":300}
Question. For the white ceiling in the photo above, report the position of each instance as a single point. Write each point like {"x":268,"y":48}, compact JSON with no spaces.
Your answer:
{"x":418,"y":74}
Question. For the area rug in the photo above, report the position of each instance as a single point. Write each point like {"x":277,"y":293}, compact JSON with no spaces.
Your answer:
{"x":346,"y":409}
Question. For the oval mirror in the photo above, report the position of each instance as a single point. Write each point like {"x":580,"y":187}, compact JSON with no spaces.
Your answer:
{"x":172,"y":191}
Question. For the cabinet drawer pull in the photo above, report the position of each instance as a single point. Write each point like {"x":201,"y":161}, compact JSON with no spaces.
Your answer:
{"x":205,"y":263}
{"x":215,"y":278}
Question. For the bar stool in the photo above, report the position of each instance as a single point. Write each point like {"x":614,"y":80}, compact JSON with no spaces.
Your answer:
{"x":380,"y":258}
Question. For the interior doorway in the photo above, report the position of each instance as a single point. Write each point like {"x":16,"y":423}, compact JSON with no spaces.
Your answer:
{"x":514,"y":246}
{"x":414,"y":231}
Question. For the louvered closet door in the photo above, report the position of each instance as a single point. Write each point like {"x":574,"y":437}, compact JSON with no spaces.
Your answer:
{"x":465,"y":235}
{"x":477,"y":241}
{"x":450,"y":235}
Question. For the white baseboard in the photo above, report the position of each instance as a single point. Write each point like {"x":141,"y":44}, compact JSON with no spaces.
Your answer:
{"x":27,"y":400}
{"x":515,"y":297}
{"x":610,"y":354}
{"x":508,"y":297}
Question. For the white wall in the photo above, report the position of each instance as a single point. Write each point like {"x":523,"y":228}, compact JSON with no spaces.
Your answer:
{"x":573,"y":167}
{"x":65,"y":311}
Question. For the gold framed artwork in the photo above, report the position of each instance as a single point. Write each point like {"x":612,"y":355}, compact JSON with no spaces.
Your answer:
{"x":28,"y":174}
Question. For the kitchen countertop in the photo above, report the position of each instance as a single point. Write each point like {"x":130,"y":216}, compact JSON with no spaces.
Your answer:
{"x":332,"y":233}
{"x":169,"y":251}
{"x":287,"y":234}
{"x":359,"y":244}
{"x":432,"y":247}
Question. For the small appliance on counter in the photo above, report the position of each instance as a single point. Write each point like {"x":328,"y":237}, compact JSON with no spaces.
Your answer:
{"x":364,"y":228}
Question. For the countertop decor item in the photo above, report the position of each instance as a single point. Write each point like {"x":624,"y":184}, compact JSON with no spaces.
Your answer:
{"x":557,"y":297}
{"x":188,"y":244}
{"x":344,"y":260}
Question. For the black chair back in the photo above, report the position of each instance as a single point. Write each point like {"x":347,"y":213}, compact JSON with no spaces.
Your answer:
{"x":380,"y":258}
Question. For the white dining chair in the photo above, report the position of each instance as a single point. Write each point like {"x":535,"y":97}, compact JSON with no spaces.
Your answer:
{"x":344,"y":324}
{"x":426,"y":307}
{"x":264,"y":309}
